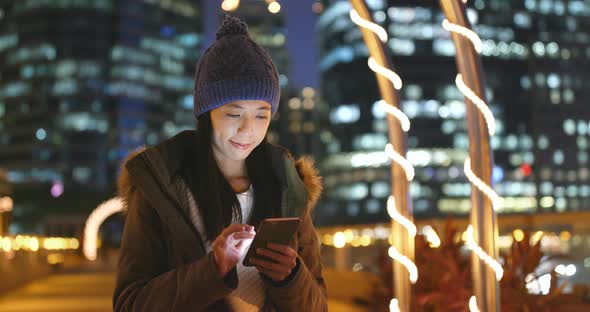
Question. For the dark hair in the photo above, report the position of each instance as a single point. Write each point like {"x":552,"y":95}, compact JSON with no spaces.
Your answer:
{"x":216,"y":199}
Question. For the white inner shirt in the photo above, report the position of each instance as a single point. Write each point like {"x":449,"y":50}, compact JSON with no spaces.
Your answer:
{"x":250,"y":294}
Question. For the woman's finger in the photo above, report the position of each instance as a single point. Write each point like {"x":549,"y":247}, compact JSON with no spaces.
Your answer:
{"x":243,"y":235}
{"x":278,"y":257}
{"x":236,"y":228}
{"x":284,"y":249}
{"x":275,"y":276}
{"x":271,"y":266}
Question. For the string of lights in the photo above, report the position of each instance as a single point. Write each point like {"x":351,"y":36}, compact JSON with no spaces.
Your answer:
{"x":481,"y":185}
{"x":396,"y":157}
{"x":95,"y":219}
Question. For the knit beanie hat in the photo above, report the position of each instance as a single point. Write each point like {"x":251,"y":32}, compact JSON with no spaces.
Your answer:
{"x":234,"y":68}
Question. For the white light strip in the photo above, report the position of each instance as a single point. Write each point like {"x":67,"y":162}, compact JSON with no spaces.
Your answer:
{"x":465,"y":32}
{"x":95,"y":219}
{"x":410,"y":266}
{"x":392,"y":110}
{"x":394,"y":305}
{"x":378,"y":30}
{"x":479,"y":103}
{"x":395,"y":215}
{"x":482,"y":186}
{"x":396,"y":81}
{"x":491,"y":262}
{"x":401,"y":160}
{"x":384,"y":71}
{"x":473,"y":304}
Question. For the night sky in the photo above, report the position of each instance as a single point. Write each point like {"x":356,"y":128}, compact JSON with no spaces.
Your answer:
{"x":301,"y":37}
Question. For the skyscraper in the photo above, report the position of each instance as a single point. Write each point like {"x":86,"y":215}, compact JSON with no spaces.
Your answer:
{"x":85,"y":82}
{"x":525,"y":87}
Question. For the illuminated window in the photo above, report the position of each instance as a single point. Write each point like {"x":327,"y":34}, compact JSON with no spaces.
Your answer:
{"x":543,"y":142}
{"x":345,"y":114}
{"x":553,"y":81}
{"x":560,"y":204}
{"x":443,"y":47}
{"x":582,"y":127}
{"x":353,"y":209}
{"x":373,"y":206}
{"x":568,"y":96}
{"x":402,"y":46}
{"x":8,"y":41}
{"x":41,"y":134}
{"x":525,"y":82}
{"x":82,"y":174}
{"x":380,"y":189}
{"x":546,"y":188}
{"x":523,"y":19}
{"x":555,"y":96}
{"x":14,"y":89}
{"x":569,"y":127}
{"x":572,"y":191}
{"x":552,"y":49}
{"x":558,"y":157}
{"x":539,"y":49}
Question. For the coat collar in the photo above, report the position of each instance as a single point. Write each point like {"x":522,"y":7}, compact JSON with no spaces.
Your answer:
{"x":301,"y":183}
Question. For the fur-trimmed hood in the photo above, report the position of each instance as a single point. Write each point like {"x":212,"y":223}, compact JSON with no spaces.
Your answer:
{"x":305,"y":167}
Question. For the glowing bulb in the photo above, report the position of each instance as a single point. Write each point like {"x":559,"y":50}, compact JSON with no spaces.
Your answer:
{"x":481,"y":185}
{"x":392,"y":110}
{"x":95,"y":219}
{"x":479,"y":103}
{"x":230,"y":5}
{"x":376,"y":29}
{"x":473,"y":304}
{"x":465,"y":32}
{"x":394,"y":305}
{"x":384,"y":71}
{"x":400,"y":160}
{"x":339,"y":240}
{"x":491,"y":262}
{"x":274,"y":7}
{"x":406,"y":262}
{"x":395,"y":215}
{"x":518,"y":235}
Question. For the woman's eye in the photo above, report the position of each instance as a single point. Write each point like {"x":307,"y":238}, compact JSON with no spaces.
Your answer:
{"x":262,"y":117}
{"x":233,"y":115}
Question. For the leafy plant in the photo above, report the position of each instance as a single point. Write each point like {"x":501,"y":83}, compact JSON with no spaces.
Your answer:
{"x":445,"y":285}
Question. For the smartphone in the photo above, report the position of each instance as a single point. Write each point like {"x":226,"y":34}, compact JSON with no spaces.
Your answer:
{"x":271,"y":230}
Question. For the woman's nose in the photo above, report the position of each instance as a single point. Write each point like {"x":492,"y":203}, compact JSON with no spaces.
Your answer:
{"x":247,"y":125}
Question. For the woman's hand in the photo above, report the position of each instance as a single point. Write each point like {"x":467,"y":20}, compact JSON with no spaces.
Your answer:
{"x":230,"y":245}
{"x":284,"y":260}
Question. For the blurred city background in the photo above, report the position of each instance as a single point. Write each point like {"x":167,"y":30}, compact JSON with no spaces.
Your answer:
{"x":85,"y":82}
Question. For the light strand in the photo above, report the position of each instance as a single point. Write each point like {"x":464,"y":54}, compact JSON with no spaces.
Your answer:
{"x":400,"y":160}
{"x":397,"y":113}
{"x":394,"y":305}
{"x":491,"y":262}
{"x":404,"y":121}
{"x":406,"y":262}
{"x":95,"y":219}
{"x":482,"y":186}
{"x":395,"y":215}
{"x":479,"y":103}
{"x":386,"y":72}
{"x":465,"y":32}
{"x":378,"y":30}
{"x":473,"y":304}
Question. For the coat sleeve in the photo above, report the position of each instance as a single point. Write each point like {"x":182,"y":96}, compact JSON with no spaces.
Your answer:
{"x":306,"y":289}
{"x":143,"y":284}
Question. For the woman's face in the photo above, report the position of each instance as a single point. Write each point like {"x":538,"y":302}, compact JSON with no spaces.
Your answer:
{"x":238,"y":127}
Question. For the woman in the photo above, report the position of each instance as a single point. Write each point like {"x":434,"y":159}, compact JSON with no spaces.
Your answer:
{"x":192,"y":200}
